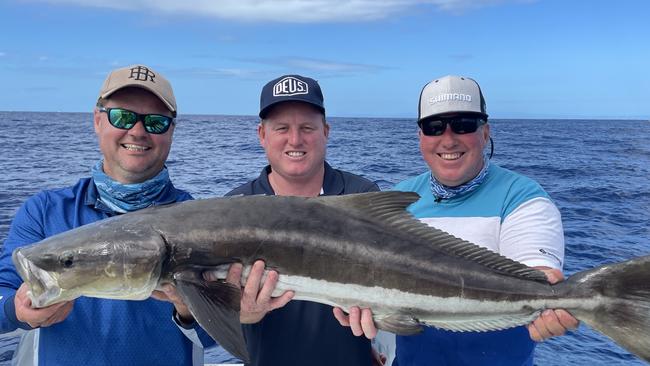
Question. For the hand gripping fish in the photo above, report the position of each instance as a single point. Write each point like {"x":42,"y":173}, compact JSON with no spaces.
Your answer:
{"x":362,"y":249}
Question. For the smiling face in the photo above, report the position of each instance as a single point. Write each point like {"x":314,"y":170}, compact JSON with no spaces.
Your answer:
{"x":132,"y":156}
{"x":455,"y":159}
{"x":294,"y":137}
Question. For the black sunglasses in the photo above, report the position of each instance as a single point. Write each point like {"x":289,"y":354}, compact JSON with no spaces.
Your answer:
{"x":436,"y":126}
{"x":125,"y":119}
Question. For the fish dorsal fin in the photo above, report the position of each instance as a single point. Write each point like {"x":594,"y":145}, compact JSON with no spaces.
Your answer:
{"x":215,"y":306}
{"x":389,"y":208}
{"x":383,"y":206}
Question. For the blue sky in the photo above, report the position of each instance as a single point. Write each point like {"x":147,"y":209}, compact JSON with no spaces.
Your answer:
{"x":533,"y":59}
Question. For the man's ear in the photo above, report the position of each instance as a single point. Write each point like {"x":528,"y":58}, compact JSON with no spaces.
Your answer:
{"x":261,"y":133}
{"x":486,"y":133}
{"x":97,"y":116}
{"x":326,"y":129}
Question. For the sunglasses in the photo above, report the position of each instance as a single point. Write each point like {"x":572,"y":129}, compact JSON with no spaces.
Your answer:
{"x":125,"y":119}
{"x":436,"y":126}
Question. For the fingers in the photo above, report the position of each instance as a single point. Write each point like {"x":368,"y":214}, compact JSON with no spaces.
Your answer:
{"x":378,"y":359}
{"x":553,"y":275}
{"x":168,"y":293}
{"x":538,"y":329}
{"x":253,"y":282}
{"x":60,"y":315}
{"x":234,"y":274}
{"x":368,"y":324}
{"x":266,"y":292}
{"x":256,"y":298}
{"x":534,"y":333}
{"x":551,"y":323}
{"x":280,"y":301}
{"x":355,"y":321}
{"x":159,"y":295}
{"x":341,"y":316}
{"x":359,"y":320}
{"x":269,"y":283}
{"x":41,"y":317}
{"x":567,"y":320}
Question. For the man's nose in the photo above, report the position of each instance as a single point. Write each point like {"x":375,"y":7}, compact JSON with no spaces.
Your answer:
{"x":138,"y":129}
{"x":448,"y":137}
{"x":295,"y":136}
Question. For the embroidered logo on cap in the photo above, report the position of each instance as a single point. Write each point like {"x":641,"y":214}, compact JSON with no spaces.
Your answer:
{"x":290,"y":86}
{"x":142,"y":73}
{"x":447,"y":97}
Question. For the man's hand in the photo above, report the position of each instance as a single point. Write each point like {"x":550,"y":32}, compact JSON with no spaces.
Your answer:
{"x":378,"y":359}
{"x":359,"y":320}
{"x":43,"y":317}
{"x":256,"y":298}
{"x":552,"y":323}
{"x":168,"y":293}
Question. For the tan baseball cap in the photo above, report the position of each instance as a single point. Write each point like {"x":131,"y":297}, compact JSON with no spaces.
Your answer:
{"x":139,"y":76}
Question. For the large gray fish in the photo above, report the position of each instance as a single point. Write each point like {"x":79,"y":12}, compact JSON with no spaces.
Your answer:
{"x":350,"y":250}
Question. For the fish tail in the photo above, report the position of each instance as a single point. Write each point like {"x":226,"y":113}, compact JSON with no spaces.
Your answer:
{"x":621,"y":298}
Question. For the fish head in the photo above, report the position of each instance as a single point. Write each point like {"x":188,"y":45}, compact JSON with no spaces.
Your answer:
{"x":94,"y":262}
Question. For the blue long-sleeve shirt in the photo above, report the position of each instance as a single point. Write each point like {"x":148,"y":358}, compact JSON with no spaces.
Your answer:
{"x":97,"y":331}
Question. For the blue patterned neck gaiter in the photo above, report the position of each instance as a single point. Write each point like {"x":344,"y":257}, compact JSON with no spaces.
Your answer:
{"x":124,"y":198}
{"x":441,"y":191}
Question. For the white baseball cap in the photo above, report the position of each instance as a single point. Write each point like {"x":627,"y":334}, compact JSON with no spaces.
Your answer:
{"x":451,"y":94}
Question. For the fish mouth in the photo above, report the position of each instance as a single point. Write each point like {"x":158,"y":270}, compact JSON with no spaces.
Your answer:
{"x":44,"y":287}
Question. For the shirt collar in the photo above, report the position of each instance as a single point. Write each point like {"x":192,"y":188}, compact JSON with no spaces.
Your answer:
{"x":332,"y":183}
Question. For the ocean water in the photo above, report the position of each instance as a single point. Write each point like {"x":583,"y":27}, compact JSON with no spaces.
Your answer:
{"x":596,"y":171}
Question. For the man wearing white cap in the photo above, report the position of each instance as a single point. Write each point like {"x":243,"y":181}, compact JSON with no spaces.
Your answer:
{"x":134,"y":124}
{"x":466,"y":195}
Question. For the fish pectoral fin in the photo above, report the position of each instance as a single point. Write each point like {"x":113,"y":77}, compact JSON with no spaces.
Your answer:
{"x":400,"y":324}
{"x":215,"y":306}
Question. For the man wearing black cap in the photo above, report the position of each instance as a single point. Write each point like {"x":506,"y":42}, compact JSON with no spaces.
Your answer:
{"x":293,"y":132}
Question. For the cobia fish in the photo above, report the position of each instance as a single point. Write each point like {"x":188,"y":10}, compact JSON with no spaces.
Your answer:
{"x":362,"y":249}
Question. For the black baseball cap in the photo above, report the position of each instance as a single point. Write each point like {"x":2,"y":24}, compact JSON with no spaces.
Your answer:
{"x":291,"y":88}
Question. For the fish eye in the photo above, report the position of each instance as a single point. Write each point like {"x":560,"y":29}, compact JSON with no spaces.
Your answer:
{"x":67,"y":260}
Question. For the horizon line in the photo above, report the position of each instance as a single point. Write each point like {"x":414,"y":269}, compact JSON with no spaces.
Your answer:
{"x":548,"y":117}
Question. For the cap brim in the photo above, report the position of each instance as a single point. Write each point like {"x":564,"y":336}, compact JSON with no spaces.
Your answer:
{"x":110,"y":92}
{"x":268,"y":108}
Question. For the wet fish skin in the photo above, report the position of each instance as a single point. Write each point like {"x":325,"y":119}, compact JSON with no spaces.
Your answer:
{"x":362,"y":249}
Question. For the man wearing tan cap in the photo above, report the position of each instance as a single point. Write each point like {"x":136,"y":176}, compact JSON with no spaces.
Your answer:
{"x":134,"y":124}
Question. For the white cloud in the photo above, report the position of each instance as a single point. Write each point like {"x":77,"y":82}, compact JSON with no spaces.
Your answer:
{"x":320,"y":65}
{"x":288,"y":11}
{"x":312,"y":65}
{"x":215,"y":72}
